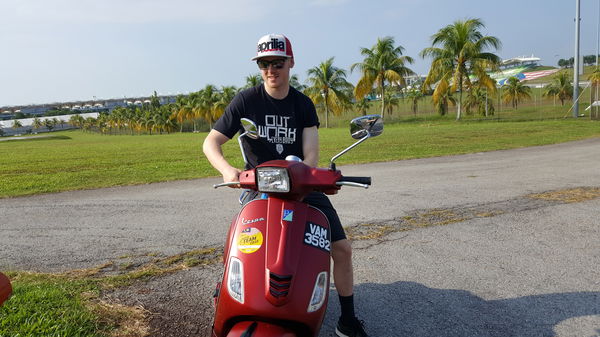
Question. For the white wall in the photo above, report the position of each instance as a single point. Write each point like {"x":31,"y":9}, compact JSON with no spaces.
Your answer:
{"x":29,"y":121}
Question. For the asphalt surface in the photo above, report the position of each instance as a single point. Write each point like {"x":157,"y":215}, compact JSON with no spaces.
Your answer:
{"x":510,"y":265}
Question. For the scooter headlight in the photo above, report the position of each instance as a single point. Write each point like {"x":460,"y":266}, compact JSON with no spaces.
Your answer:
{"x":319,"y":292}
{"x":235,"y":280}
{"x":273,"y":179}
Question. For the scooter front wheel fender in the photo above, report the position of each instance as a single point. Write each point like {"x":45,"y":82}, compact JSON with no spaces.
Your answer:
{"x":259,"y":329}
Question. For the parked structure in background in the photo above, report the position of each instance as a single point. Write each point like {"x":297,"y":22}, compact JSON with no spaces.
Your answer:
{"x":101,"y":105}
{"x":521,"y":61}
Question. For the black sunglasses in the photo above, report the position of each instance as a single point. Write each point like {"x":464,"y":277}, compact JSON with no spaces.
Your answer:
{"x":277,"y":63}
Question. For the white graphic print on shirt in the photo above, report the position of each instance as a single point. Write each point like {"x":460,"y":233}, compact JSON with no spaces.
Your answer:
{"x":277,"y":131}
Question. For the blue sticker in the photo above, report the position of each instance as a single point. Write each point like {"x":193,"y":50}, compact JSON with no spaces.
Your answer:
{"x":288,"y":215}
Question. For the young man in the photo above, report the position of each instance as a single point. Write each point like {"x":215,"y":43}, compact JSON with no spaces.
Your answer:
{"x":287,"y":123}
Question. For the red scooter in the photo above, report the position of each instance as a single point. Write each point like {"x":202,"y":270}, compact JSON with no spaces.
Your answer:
{"x":5,"y":288}
{"x":277,"y":254}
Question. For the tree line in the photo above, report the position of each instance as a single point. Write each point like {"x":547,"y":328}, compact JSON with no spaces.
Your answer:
{"x":462,"y":58}
{"x":588,"y":60}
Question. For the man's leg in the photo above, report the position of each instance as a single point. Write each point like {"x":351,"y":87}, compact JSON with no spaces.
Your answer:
{"x":343,"y":276}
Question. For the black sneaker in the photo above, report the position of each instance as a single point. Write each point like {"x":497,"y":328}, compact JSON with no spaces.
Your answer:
{"x":355,"y":329}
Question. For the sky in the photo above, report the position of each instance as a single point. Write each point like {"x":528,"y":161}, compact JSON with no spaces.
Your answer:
{"x":83,"y":50}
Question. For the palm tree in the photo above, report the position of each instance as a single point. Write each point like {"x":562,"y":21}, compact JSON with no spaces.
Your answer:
{"x":37,"y":123}
{"x":17,"y":124}
{"x":75,"y":120}
{"x":49,"y":124}
{"x":391,"y":99}
{"x":182,"y":110}
{"x":441,"y":99}
{"x":88,"y":123}
{"x":383,"y":62}
{"x":458,"y":51}
{"x":295,"y":82}
{"x":204,"y":106}
{"x":102,"y":122}
{"x":362,"y":106}
{"x":253,"y":80}
{"x":561,"y":87}
{"x":594,"y":79}
{"x":224,"y":98}
{"x":477,"y":99}
{"x":414,"y":95}
{"x":514,"y":92}
{"x":328,"y":86}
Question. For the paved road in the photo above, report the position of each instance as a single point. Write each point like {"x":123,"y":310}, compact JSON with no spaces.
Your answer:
{"x":509,"y":266}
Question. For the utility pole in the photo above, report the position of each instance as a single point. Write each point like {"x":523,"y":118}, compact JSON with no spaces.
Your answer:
{"x":576,"y":65}
{"x":595,"y":86}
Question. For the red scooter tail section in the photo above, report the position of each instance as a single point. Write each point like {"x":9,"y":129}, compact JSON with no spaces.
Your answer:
{"x":256,"y":329}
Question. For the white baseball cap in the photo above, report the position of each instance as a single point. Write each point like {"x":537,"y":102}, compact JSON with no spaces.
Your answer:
{"x":273,"y":45}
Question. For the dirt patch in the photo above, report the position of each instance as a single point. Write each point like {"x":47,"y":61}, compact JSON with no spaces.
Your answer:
{"x":569,"y":195}
{"x":373,"y":233}
{"x":178,"y":304}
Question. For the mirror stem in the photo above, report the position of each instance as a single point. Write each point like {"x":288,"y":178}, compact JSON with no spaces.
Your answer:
{"x":242,"y":147}
{"x":348,"y":149}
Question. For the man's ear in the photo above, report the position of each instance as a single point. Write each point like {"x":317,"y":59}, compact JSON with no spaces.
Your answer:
{"x":292,"y":62}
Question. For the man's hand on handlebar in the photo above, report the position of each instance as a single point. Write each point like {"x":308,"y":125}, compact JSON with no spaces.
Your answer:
{"x":230,"y":175}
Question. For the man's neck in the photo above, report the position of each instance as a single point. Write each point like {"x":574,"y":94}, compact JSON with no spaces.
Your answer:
{"x":278,"y":93}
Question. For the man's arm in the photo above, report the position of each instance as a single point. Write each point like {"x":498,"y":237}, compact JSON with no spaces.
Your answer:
{"x":310,"y":146}
{"x":213,"y":152}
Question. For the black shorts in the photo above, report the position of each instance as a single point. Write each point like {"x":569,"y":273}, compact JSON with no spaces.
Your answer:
{"x":319,"y":201}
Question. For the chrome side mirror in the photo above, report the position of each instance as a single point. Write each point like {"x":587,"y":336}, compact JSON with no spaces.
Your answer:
{"x":250,"y":128}
{"x":371,"y":125}
{"x":361,"y":128}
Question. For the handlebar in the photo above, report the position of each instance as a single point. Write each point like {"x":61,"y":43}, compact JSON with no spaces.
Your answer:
{"x":358,"y":180}
{"x":348,"y":183}
{"x":233,"y":183}
{"x":363,"y":182}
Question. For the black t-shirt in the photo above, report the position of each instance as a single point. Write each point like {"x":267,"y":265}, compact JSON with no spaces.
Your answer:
{"x":280,"y":123}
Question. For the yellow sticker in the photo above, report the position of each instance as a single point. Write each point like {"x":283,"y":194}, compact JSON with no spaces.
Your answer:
{"x":250,"y":240}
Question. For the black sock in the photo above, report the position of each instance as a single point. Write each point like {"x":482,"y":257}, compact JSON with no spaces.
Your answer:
{"x":347,"y":304}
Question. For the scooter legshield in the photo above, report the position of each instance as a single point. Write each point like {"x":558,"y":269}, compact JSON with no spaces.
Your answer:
{"x":279,"y":247}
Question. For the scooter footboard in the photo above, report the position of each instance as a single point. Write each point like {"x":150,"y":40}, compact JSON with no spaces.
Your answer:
{"x":257,"y":328}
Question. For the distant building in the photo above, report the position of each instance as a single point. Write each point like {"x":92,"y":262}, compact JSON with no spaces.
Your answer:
{"x":521,"y":61}
{"x":106,"y":105}
{"x":414,"y":80}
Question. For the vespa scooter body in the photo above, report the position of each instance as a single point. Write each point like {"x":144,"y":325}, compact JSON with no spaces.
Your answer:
{"x":277,"y":253}
{"x":284,"y":248}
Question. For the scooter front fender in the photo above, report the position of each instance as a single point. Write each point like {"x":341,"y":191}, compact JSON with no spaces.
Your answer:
{"x":262,"y":329}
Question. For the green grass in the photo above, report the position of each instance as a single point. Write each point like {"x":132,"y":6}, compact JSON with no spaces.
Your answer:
{"x":43,"y":305}
{"x":69,"y":304}
{"x":77,"y":160}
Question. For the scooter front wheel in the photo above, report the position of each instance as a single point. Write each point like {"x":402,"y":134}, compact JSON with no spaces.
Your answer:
{"x":259,"y":329}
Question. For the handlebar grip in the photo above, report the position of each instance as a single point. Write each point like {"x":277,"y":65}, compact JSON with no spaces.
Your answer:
{"x":360,"y":180}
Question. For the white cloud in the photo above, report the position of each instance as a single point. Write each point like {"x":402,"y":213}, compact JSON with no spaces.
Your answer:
{"x":133,"y":11}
